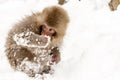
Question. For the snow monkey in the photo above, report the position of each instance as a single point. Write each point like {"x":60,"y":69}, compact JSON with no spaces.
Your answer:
{"x":113,"y":4}
{"x":33,"y":44}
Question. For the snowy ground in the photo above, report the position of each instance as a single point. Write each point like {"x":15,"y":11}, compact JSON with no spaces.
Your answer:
{"x":91,"y":49}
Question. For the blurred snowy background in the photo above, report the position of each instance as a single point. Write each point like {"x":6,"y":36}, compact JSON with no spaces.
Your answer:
{"x":91,"y":49}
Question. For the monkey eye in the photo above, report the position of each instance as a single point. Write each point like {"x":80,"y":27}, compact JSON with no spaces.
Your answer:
{"x":52,"y":31}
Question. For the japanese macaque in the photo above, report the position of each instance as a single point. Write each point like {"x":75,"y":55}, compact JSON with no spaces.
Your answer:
{"x":61,"y":2}
{"x":33,"y":44}
{"x":113,"y":4}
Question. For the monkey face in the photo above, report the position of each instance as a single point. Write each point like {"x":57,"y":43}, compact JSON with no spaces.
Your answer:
{"x":47,"y":30}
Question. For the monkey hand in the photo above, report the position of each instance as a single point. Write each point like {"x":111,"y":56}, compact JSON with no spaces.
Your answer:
{"x":30,"y":39}
{"x":55,"y":55}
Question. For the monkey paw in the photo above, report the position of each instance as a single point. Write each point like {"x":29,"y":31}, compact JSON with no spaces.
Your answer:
{"x":30,"y":39}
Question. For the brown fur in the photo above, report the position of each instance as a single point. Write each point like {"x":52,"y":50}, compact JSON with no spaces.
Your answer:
{"x":54,"y":16}
{"x":61,"y":2}
{"x":113,"y":4}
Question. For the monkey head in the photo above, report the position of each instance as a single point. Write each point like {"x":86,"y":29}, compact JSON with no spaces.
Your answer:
{"x":55,"y":20}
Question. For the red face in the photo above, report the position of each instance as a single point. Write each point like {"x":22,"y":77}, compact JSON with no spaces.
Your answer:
{"x":47,"y":30}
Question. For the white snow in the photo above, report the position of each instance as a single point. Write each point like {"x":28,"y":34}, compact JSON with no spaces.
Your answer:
{"x":91,"y":49}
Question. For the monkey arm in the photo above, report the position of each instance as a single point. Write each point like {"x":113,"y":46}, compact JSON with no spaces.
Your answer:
{"x":55,"y":55}
{"x":30,"y":39}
